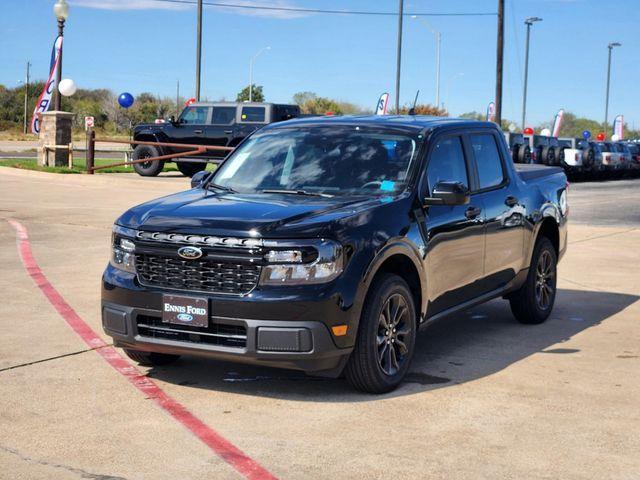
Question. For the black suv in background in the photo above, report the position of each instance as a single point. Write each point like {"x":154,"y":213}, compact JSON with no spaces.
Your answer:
{"x":223,"y":124}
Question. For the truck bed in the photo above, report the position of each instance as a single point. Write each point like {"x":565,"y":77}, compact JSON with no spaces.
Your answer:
{"x":533,"y":172}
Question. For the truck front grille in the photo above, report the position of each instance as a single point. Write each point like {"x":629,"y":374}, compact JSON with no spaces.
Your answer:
{"x":205,"y":275}
{"x":222,"y":334}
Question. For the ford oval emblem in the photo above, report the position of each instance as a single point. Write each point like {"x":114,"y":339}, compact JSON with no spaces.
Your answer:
{"x":190,"y":253}
{"x":184,"y":317}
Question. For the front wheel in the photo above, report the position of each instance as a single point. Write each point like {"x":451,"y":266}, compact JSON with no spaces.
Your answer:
{"x":151,"y":359}
{"x":534,"y":301}
{"x":386,"y":337}
{"x":147,"y":169}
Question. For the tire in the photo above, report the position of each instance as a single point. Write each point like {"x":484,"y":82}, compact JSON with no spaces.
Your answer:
{"x":147,"y":169}
{"x":524,"y":154}
{"x":548,"y":155}
{"x":587,"y":158}
{"x":378,"y":363}
{"x":190,"y":169}
{"x":528,"y":304}
{"x":559,"y":155}
{"x":151,"y":359}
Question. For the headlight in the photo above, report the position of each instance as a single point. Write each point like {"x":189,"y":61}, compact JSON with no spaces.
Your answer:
{"x":316,"y":263}
{"x":123,"y":249}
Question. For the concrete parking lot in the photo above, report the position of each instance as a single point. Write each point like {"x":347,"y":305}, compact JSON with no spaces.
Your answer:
{"x":486,"y":396}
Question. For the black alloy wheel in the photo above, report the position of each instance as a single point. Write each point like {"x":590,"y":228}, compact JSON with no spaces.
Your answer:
{"x":393,"y":329}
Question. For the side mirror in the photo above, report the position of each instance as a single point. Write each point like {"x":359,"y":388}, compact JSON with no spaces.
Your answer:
{"x":198,"y":178}
{"x":448,"y":193}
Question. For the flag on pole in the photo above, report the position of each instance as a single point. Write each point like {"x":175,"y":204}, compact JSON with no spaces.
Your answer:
{"x":557,"y":123}
{"x":44,"y":100}
{"x":491,"y":112}
{"x":618,"y":126}
{"x":383,"y":103}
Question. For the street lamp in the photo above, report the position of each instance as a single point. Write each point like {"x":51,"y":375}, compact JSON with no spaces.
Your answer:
{"x":61,"y":11}
{"x":606,"y":104}
{"x":253,"y":59}
{"x":451,"y":79}
{"x":528,"y":22}
{"x":438,"y":38}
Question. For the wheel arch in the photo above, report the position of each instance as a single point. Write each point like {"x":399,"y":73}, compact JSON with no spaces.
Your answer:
{"x":145,"y":136}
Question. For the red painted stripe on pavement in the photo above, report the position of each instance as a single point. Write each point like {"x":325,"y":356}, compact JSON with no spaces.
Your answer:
{"x":222,"y":447}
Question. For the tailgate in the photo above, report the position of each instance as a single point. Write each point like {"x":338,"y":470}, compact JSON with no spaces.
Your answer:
{"x":534,"y":172}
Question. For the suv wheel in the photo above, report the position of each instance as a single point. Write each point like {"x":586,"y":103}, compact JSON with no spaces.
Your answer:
{"x":190,"y":169}
{"x":386,"y":337}
{"x":150,"y":359}
{"x":147,"y":169}
{"x":534,"y":301}
{"x":524,"y":154}
{"x":559,"y":155}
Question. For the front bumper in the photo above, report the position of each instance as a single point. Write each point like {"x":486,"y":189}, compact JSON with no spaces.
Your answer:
{"x":292,"y":332}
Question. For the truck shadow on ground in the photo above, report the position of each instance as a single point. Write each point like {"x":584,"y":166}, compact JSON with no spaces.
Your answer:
{"x":455,"y":350}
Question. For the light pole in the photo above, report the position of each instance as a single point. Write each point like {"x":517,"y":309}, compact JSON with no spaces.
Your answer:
{"x":438,"y":40}
{"x":528,"y":22}
{"x":26,"y":98}
{"x":61,"y":11}
{"x":198,"y":49}
{"x":253,"y":59}
{"x":399,"y":54}
{"x":451,"y":79}
{"x":606,"y":103}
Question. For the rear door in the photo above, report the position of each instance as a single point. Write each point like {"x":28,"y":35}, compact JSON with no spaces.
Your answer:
{"x":221,"y":130}
{"x":455,"y":234}
{"x":504,"y":212}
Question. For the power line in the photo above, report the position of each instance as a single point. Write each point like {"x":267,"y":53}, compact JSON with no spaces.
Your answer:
{"x":326,"y":11}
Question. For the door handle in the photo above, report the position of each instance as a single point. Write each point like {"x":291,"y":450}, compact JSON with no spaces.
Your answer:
{"x":511,"y":201}
{"x":228,"y":132}
{"x":472,"y":212}
{"x":197,"y":131}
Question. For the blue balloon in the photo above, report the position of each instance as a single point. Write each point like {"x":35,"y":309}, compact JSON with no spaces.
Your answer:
{"x":586,"y":134}
{"x":125,"y":100}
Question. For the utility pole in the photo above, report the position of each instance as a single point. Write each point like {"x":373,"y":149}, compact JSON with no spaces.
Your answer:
{"x":177,"y":98}
{"x":528,"y":22}
{"x":399,"y":54}
{"x":199,"y":50}
{"x":26,"y":97}
{"x":606,"y":104}
{"x":499,"y":63}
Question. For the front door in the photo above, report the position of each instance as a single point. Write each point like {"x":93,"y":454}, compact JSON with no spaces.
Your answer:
{"x":455,"y":234}
{"x":190,"y":128}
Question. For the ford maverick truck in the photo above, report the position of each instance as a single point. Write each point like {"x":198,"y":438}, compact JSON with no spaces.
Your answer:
{"x":322,"y":244}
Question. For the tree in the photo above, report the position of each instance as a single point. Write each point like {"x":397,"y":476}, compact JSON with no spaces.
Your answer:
{"x":257,"y":94}
{"x":425,"y":109}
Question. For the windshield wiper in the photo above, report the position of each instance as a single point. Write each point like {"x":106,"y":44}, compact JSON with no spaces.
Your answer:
{"x":220,"y":187}
{"x":298,"y":192}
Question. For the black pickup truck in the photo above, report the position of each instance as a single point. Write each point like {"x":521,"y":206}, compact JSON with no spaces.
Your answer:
{"x":223,"y":124}
{"x":322,"y":244}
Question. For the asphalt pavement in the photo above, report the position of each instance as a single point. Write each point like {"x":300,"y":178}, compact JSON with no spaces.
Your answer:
{"x":486,"y":397}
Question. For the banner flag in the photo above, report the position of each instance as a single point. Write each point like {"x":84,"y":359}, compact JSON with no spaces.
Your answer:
{"x":491,"y":112}
{"x":383,"y":103}
{"x":618,"y":126}
{"x":557,"y":123}
{"x":44,"y":101}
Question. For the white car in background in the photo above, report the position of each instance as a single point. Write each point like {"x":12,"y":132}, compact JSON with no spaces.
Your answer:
{"x":574,"y":160}
{"x":611,"y":159}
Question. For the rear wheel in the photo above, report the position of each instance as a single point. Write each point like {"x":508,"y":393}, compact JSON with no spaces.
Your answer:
{"x":386,"y":337}
{"x":587,"y":158}
{"x":150,"y":359}
{"x":559,"y":155}
{"x":190,"y":169}
{"x":147,"y":169}
{"x":534,"y":301}
{"x":524,"y":154}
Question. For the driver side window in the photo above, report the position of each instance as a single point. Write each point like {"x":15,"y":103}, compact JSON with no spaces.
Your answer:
{"x":447,"y":163}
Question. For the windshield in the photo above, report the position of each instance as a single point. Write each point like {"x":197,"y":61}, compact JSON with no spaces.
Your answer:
{"x":336,"y":160}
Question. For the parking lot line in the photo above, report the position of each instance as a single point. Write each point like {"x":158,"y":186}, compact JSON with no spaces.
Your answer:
{"x":222,"y":447}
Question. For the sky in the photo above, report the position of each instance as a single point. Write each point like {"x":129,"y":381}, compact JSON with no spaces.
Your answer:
{"x":149,"y":45}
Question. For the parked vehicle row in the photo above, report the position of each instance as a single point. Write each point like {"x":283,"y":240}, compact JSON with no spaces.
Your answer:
{"x":578,"y":156}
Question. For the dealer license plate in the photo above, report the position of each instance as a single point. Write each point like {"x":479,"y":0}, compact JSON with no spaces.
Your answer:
{"x":181,"y":310}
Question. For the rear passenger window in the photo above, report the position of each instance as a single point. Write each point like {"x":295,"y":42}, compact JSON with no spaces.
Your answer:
{"x":223,"y":115}
{"x":447,"y":163}
{"x":253,"y":114}
{"x":488,"y":160}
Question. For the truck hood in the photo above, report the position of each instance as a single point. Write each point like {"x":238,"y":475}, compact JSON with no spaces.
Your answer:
{"x":243,"y":215}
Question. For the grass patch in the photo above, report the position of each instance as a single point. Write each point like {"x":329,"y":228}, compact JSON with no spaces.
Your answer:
{"x":78,"y":167}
